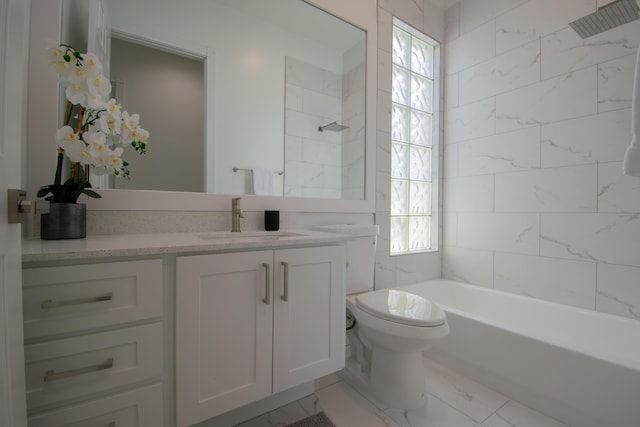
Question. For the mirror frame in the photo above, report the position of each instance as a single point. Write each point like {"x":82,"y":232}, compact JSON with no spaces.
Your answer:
{"x":42,"y":122}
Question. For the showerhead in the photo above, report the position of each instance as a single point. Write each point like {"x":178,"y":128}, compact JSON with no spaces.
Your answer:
{"x":334,"y":127}
{"x":607,"y":17}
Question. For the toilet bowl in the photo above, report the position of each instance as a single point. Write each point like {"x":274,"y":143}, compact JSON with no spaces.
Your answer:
{"x":393,"y":327}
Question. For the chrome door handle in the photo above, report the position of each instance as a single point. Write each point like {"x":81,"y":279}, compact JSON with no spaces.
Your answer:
{"x":285,"y":295}
{"x":267,"y":283}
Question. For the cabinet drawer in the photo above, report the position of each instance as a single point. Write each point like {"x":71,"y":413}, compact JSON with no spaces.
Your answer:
{"x":76,"y":367}
{"x":72,"y":298}
{"x":136,"y":408}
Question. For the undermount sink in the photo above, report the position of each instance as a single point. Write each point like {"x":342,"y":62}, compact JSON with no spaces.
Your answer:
{"x":249,"y":235}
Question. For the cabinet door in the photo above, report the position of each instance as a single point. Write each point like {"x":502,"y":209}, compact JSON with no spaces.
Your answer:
{"x":224,"y":324}
{"x":309,"y":337}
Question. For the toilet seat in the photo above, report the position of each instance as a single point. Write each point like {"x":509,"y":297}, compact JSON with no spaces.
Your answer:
{"x":401,"y":307}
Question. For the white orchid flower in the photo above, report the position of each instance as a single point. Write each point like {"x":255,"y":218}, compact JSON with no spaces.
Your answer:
{"x":114,"y":109}
{"x":75,"y":93}
{"x":66,"y":134}
{"x":77,"y":151}
{"x":55,"y":55}
{"x":91,"y":64}
{"x":95,"y":101}
{"x":109,"y":124}
{"x":99,"y":85}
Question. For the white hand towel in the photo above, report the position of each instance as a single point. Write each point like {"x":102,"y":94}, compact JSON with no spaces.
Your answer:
{"x":631,"y":163}
{"x":262,"y":181}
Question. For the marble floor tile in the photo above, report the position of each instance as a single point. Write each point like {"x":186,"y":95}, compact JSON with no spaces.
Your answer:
{"x":467,"y":396}
{"x":436,"y":414}
{"x":326,"y":381}
{"x":348,"y":408}
{"x":453,"y":401}
{"x":514,"y":414}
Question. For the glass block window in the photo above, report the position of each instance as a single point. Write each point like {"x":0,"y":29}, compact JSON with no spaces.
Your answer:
{"x":414,"y":141}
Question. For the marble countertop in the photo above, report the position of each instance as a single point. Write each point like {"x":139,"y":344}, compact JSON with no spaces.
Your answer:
{"x":36,"y":250}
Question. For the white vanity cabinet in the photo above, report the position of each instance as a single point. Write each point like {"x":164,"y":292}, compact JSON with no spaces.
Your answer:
{"x":250,"y":324}
{"x":93,"y":344}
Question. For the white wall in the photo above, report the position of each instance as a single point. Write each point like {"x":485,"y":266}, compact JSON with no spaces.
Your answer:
{"x":167,"y":91}
{"x":536,"y":124}
{"x":402,"y":269}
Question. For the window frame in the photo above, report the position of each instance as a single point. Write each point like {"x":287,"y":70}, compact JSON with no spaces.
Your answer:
{"x":436,"y":158}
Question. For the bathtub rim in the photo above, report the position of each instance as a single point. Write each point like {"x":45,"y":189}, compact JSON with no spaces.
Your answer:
{"x":603,"y":356}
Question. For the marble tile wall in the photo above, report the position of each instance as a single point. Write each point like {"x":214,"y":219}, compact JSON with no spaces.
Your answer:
{"x":536,"y":124}
{"x":313,"y":159}
{"x":393,"y":271}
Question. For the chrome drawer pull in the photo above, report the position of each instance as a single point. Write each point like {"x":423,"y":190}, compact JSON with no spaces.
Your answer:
{"x":267,"y":283}
{"x":48,"y":304}
{"x":285,"y":296}
{"x":54,"y":376}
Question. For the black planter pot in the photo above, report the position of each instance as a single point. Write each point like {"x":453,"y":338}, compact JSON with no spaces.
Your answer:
{"x":64,"y":221}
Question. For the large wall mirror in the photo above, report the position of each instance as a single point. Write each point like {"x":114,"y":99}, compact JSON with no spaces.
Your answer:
{"x":273,"y":100}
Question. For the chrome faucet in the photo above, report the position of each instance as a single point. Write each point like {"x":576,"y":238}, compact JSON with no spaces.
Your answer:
{"x":236,"y":214}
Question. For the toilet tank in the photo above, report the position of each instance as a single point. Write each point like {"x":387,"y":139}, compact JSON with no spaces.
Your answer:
{"x":361,"y":253}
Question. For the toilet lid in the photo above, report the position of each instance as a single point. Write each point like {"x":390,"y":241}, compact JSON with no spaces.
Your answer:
{"x":401,"y":307}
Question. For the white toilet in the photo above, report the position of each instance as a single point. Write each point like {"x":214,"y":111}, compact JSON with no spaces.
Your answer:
{"x":392,"y":327}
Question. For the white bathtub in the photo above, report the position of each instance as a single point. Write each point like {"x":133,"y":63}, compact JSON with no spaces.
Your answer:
{"x":578,"y":366}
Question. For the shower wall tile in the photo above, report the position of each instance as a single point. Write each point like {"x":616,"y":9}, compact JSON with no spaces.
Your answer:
{"x":471,"y":48}
{"x":568,"y":189}
{"x":384,"y":68}
{"x":470,"y":121}
{"x":606,"y":238}
{"x":452,"y":23}
{"x":450,"y":161}
{"x":410,"y":11}
{"x":385,"y":272}
{"x":301,"y":74}
{"x":511,"y":70}
{"x":477,"y":12}
{"x":471,"y":194}
{"x":450,"y":229}
{"x":617,"y":192}
{"x":322,"y":105}
{"x":383,"y":191}
{"x":505,"y":152}
{"x":382,"y":220}
{"x":415,"y":268}
{"x":550,"y":127}
{"x":385,"y":32}
{"x":597,"y":138}
{"x":332,"y":84}
{"x":451,"y":91}
{"x":564,"y":51}
{"x":536,"y":19}
{"x":293,"y":97}
{"x":563,"y":281}
{"x":468,"y":265}
{"x":516,"y":233}
{"x":614,"y":80}
{"x":564,"y":97}
{"x":383,"y":116}
{"x":618,"y":290}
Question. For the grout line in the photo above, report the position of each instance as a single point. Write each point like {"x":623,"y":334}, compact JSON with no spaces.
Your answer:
{"x":496,"y":411}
